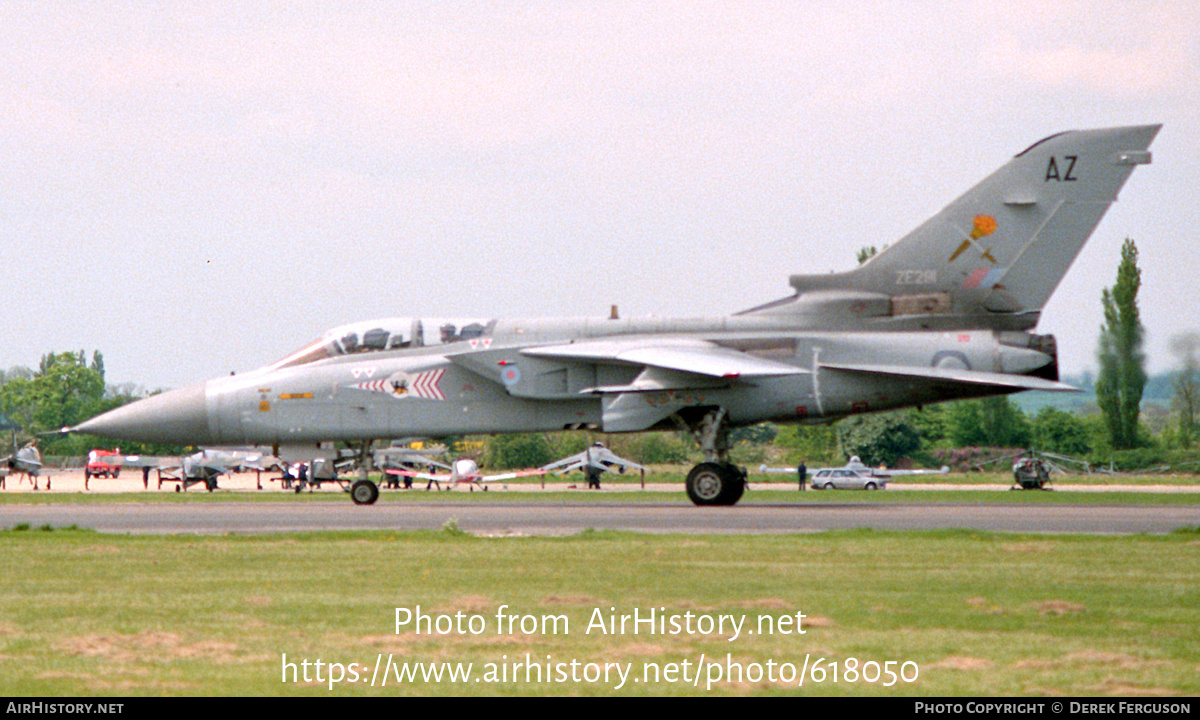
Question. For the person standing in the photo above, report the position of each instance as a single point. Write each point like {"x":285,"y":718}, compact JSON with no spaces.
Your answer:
{"x":802,"y":473}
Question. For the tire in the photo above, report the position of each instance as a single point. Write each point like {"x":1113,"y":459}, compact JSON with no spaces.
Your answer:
{"x":364,"y":492}
{"x":871,"y":486}
{"x":829,"y":486}
{"x":715,"y":484}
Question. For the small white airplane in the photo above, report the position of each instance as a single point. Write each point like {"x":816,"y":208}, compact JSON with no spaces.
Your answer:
{"x":463,"y":471}
{"x":593,"y":461}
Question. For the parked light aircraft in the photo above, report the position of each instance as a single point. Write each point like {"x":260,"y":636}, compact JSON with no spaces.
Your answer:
{"x":593,"y":461}
{"x":947,"y":312}
{"x":204,"y":466}
{"x":463,"y":471}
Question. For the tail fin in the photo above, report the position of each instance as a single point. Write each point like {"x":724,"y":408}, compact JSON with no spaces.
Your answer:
{"x":997,"y":253}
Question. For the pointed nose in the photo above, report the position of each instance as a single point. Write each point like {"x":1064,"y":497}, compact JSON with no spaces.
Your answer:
{"x":178,"y":417}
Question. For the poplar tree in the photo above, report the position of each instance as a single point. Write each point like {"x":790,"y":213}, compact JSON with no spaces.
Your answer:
{"x":1187,"y":385}
{"x":1122,"y":375}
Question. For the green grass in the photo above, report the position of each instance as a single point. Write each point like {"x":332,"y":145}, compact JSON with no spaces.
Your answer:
{"x":83,"y":613}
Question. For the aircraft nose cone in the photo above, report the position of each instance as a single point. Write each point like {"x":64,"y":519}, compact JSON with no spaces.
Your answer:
{"x":178,"y":417}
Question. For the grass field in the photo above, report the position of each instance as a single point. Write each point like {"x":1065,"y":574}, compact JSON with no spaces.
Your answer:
{"x":956,"y":612}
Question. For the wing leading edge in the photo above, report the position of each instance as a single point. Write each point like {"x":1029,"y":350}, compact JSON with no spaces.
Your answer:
{"x":670,"y":364}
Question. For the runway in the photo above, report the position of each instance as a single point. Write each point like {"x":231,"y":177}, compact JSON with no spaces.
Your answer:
{"x":517,"y":518}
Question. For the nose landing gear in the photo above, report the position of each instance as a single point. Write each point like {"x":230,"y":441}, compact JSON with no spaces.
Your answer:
{"x":716,"y":481}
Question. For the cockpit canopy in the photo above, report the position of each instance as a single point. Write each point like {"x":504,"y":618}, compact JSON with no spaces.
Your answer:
{"x":387,"y":334}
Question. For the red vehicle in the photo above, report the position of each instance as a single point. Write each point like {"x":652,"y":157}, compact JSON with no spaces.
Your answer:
{"x":102,"y":463}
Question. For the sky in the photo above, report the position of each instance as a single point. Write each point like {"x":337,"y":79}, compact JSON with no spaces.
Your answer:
{"x":198,"y":188}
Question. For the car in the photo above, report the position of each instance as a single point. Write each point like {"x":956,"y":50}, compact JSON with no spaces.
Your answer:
{"x":102,"y":463}
{"x":847,"y":479}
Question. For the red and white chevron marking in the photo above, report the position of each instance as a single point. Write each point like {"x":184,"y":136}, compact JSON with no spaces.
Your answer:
{"x":377,"y":386}
{"x":423,"y":385}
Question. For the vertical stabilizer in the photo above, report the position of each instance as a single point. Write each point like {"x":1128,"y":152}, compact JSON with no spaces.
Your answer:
{"x":996,"y":254}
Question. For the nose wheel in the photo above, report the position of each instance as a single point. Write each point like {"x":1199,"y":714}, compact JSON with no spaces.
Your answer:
{"x":364,"y":492}
{"x":717,"y":481}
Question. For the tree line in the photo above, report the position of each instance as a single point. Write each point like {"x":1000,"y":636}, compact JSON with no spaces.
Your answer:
{"x":65,"y":390}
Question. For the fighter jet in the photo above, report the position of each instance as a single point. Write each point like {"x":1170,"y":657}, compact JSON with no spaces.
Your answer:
{"x":593,"y":461}
{"x":947,"y":312}
{"x":27,"y":461}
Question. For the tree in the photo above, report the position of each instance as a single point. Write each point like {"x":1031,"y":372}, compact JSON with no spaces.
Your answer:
{"x":814,"y":444}
{"x":883,"y":438}
{"x":1187,"y":385}
{"x":1122,"y":375}
{"x":521,"y":450}
{"x":63,"y":392}
{"x":98,"y":364}
{"x":653,"y":448}
{"x":760,"y":434}
{"x":992,"y":421}
{"x":930,"y":423}
{"x":1057,"y":431}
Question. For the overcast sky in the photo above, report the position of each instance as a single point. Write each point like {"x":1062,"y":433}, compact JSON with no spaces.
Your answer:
{"x":194,"y":188}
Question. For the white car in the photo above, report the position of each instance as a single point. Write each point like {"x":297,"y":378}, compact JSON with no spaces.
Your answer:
{"x":847,"y":479}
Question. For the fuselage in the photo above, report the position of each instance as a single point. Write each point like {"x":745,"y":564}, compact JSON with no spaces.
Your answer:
{"x":489,"y":382}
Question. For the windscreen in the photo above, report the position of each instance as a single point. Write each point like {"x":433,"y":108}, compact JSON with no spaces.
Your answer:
{"x":386,"y":334}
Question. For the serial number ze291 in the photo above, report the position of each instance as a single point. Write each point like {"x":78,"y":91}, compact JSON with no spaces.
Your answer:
{"x":916,"y":277}
{"x":888,"y":673}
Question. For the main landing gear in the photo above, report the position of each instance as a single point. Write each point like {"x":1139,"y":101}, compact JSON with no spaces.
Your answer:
{"x":716,"y":481}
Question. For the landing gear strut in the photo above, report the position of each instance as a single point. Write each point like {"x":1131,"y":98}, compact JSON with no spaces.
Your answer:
{"x":716,"y":481}
{"x":364,"y":491}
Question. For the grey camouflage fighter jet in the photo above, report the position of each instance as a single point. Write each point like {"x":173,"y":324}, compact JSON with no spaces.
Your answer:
{"x":945,"y":313}
{"x":594,"y":461}
{"x":27,"y":462}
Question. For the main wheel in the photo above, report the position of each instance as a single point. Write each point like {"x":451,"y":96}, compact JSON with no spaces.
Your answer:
{"x":715,"y":484}
{"x":364,"y":492}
